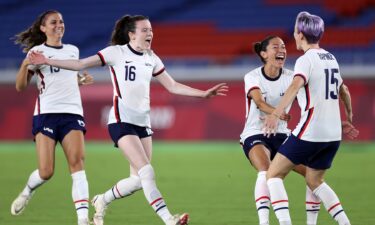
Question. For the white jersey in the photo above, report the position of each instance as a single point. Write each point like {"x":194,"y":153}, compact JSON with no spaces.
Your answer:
{"x":319,"y":97}
{"x":58,"y":88}
{"x":272,"y":90}
{"x":131,"y":73}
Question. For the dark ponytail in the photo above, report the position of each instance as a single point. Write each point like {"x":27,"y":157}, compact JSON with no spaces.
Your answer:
{"x":120,"y":33}
{"x":33,"y":36}
{"x":262,"y":46}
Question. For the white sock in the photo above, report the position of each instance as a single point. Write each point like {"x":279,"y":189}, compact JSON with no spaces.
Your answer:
{"x":80,"y":194}
{"x":33,"y":183}
{"x":123,"y":188}
{"x":312,"y":207}
{"x":152,"y":193}
{"x":332,"y":203}
{"x":279,"y":200}
{"x":262,"y":198}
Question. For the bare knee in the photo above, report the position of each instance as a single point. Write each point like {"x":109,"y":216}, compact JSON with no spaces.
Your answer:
{"x":314,"y":183}
{"x":76,"y":163}
{"x":46,"y":173}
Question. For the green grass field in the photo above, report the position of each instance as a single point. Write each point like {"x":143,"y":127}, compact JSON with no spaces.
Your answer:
{"x":212,"y":181}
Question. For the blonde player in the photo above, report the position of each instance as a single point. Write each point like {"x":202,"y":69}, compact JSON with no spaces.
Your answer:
{"x":132,"y":64}
{"x":264,"y":87}
{"x":58,"y":115}
{"x":314,"y":142}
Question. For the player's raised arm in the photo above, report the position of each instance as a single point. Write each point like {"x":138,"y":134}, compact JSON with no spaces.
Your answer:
{"x":37,"y":58}
{"x":177,"y":88}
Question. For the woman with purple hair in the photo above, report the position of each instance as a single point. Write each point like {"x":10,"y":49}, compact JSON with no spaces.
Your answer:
{"x":318,"y":85}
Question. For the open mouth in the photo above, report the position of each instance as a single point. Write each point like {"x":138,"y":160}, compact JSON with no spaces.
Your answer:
{"x":280,"y":58}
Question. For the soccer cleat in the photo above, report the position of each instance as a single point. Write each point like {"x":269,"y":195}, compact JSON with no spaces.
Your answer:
{"x":83,"y":221}
{"x":19,"y":204}
{"x":178,"y":219}
{"x":100,"y":207}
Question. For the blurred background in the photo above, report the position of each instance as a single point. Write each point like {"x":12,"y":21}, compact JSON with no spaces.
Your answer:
{"x":201,"y":43}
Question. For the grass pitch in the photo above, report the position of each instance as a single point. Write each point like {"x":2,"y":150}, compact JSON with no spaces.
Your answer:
{"x":212,"y":181}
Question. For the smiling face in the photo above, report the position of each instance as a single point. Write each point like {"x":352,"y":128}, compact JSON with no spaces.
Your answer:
{"x":142,"y":37}
{"x":53,"y":26}
{"x":275,"y":53}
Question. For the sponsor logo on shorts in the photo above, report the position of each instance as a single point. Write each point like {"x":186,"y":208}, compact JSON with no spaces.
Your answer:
{"x":48,"y":129}
{"x":81,"y":123}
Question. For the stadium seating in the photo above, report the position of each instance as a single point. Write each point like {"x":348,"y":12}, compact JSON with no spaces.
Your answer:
{"x":192,"y":31}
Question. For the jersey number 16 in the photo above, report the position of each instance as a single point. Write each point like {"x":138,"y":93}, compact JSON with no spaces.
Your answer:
{"x":130,"y":73}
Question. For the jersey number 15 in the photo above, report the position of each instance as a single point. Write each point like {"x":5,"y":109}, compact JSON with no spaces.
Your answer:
{"x":331,"y":92}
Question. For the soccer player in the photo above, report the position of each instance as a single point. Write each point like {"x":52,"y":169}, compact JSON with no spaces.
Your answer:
{"x":318,"y":85}
{"x":264,"y":87}
{"x":132,"y":64}
{"x":58,"y":114}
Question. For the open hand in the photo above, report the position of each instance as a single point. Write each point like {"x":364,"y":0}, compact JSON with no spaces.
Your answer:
{"x":219,"y":89}
{"x":85,"y":78}
{"x":349,"y":130}
{"x":37,"y":58}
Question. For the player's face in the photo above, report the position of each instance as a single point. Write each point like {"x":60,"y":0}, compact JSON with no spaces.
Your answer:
{"x":142,"y":37}
{"x":53,"y":26}
{"x":275,"y":53}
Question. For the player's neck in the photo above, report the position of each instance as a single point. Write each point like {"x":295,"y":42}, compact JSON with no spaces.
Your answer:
{"x":54,"y":42}
{"x":271,"y":71}
{"x":307,"y":47}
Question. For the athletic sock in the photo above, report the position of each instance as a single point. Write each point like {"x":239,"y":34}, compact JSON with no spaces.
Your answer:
{"x":80,"y":194}
{"x":332,"y":203}
{"x":33,"y":183}
{"x":279,"y":200}
{"x":123,"y":188}
{"x":152,"y":193}
{"x":262,"y":198}
{"x":312,"y":207}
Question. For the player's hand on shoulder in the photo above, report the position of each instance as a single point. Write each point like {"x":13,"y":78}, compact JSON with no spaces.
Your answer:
{"x":37,"y":58}
{"x":349,"y":130}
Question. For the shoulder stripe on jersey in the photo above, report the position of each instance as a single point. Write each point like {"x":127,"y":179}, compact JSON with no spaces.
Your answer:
{"x":307,"y":93}
{"x":253,"y":88}
{"x":301,"y":75}
{"x":306,"y":123}
{"x":101,"y":58}
{"x":115,"y":82}
{"x":115,"y":106}
{"x":159,"y":72}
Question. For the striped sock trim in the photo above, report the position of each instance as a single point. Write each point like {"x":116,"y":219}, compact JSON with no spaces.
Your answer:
{"x":83,"y":207}
{"x":263,"y":207}
{"x":281,"y":208}
{"x":163,"y":206}
{"x":312,"y":210}
{"x":338,"y":213}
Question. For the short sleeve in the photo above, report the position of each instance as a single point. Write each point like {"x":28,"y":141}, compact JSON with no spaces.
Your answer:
{"x":302,"y":68}
{"x":251,"y":83}
{"x":109,"y":55}
{"x":159,"y":66}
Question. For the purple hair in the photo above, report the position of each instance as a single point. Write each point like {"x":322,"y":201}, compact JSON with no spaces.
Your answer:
{"x":311,"y":26}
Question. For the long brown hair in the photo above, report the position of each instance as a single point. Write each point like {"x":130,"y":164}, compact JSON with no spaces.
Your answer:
{"x":33,"y":36}
{"x":122,"y":27}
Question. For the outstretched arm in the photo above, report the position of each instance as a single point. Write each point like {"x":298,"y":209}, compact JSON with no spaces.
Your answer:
{"x":263,"y":106}
{"x":180,"y":89}
{"x":23,"y":76}
{"x":37,"y":58}
{"x":270,"y":123}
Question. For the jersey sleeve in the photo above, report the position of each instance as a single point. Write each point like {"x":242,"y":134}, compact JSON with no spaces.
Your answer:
{"x":159,"y":66}
{"x":109,"y":55}
{"x":302,"y":68}
{"x":251,"y":83}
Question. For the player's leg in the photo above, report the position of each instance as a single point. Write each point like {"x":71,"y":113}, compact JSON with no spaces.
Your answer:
{"x":312,"y":201}
{"x":157,"y":203}
{"x":277,"y":171}
{"x":45,"y":148}
{"x":259,"y":156}
{"x":73,"y":146}
{"x":315,"y":180}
